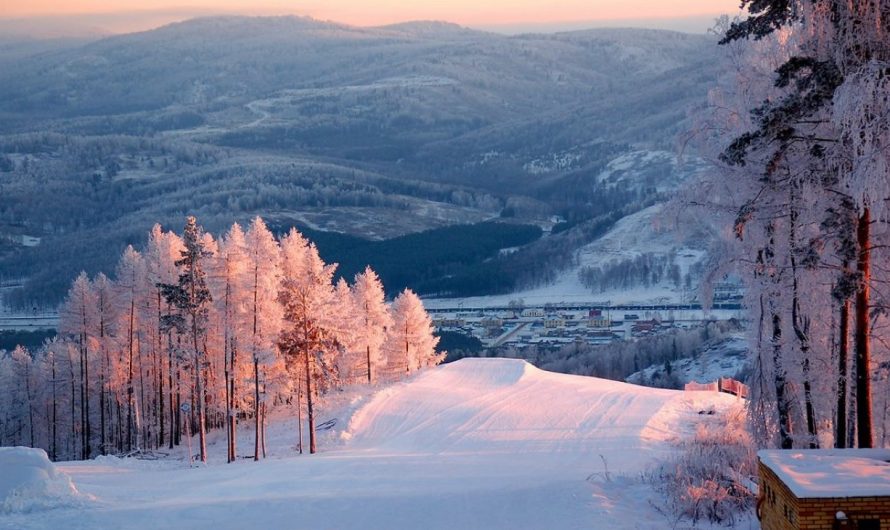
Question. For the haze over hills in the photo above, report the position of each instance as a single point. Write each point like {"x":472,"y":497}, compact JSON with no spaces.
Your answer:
{"x":369,"y":132}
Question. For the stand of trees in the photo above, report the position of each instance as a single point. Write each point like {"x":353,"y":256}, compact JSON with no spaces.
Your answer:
{"x":646,"y":269}
{"x":800,"y":130}
{"x":230,"y":327}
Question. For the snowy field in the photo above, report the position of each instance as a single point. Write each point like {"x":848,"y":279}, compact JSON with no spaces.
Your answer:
{"x":480,"y":443}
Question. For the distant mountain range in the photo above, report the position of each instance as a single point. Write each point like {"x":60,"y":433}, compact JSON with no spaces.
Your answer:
{"x":373,"y":132}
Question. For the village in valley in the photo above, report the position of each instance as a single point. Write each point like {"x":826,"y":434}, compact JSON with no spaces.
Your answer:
{"x":558,"y":324}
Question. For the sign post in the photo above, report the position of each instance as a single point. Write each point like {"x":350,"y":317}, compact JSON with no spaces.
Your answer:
{"x":187,"y":407}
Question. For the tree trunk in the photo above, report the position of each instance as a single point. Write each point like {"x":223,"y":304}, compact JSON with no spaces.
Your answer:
{"x":230,"y":457}
{"x":300,"y":414}
{"x":54,"y":446}
{"x":120,"y":427}
{"x":810,"y":410}
{"x":73,"y":450}
{"x":863,"y":335}
{"x":177,"y":409}
{"x":309,"y":412}
{"x":801,"y":324}
{"x":30,"y":407}
{"x":368,"y":347}
{"x":263,"y":427}
{"x":131,"y":395}
{"x":233,"y":420}
{"x":173,"y":405}
{"x":840,"y":424}
{"x":162,"y":411}
{"x":140,"y":409}
{"x":228,"y":375}
{"x":199,"y":384}
{"x":786,"y":442}
{"x":256,"y":408}
{"x":102,"y":406}
{"x":87,"y":450}
{"x":256,"y":362}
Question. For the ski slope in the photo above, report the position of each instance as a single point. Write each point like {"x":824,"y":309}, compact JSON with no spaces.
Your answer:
{"x":479,"y":443}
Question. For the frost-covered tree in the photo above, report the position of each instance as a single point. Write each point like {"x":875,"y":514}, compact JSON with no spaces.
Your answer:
{"x":129,"y":295}
{"x":23,"y":370}
{"x":351,"y":360}
{"x":411,"y":343}
{"x":308,"y":337}
{"x":264,"y":314}
{"x":110,"y":360}
{"x":229,"y":288}
{"x":809,"y":170}
{"x":374,"y":319}
{"x":233,"y":328}
{"x":191,"y":299}
{"x":162,"y":252}
{"x":77,"y":319}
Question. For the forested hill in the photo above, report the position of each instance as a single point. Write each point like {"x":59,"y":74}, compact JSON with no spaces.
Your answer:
{"x":446,"y":260}
{"x":372,"y":132}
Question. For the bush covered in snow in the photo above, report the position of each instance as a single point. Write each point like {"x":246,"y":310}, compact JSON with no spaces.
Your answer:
{"x":29,"y":481}
{"x":710,"y":477}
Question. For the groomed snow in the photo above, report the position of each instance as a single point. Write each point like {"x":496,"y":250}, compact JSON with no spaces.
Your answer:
{"x":479,"y":443}
{"x":832,"y":473}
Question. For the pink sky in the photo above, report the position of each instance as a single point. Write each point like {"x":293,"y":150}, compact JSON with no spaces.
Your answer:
{"x":375,"y":12}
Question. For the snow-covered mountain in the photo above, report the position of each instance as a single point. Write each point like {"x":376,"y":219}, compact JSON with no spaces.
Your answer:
{"x":375,"y":132}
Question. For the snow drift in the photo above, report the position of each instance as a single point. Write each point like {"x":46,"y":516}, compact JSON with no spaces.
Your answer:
{"x":29,"y":481}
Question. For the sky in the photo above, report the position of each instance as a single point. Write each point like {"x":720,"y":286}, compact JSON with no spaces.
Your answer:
{"x":114,"y":16}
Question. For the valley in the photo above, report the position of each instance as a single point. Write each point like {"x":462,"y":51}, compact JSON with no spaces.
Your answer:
{"x":375,"y":133}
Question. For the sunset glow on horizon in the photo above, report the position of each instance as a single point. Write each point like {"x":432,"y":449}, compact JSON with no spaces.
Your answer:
{"x":364,"y":13}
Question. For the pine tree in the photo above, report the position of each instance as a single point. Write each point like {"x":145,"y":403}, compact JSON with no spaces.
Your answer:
{"x":191,"y":298}
{"x":831,"y":116}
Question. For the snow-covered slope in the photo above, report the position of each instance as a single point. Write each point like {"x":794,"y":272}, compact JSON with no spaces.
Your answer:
{"x":649,"y":231}
{"x":480,"y":443}
{"x":497,"y":406}
{"x":727,"y":358}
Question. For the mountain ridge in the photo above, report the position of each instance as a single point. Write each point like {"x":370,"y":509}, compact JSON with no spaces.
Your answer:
{"x":231,"y":117}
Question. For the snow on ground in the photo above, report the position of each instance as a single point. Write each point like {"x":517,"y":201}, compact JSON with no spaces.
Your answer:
{"x":727,"y":358}
{"x":642,"y":169}
{"x":30,"y":482}
{"x":479,"y":443}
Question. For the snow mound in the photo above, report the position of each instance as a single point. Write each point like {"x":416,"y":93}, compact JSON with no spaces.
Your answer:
{"x":30,"y":482}
{"x":497,"y":406}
